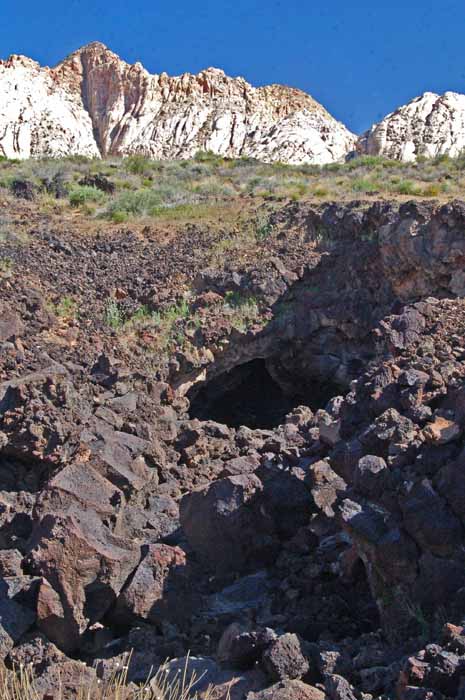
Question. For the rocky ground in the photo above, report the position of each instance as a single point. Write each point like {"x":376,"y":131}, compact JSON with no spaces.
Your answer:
{"x":248,"y":449}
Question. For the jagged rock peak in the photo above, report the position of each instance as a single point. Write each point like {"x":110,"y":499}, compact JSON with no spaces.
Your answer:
{"x":94,"y":103}
{"x":94,"y":46}
{"x":428,"y":126}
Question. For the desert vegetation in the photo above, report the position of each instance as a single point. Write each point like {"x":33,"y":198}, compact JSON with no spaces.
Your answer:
{"x":20,"y":683}
{"x":119,"y":190}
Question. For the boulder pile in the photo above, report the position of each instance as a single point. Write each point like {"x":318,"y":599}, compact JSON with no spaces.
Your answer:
{"x":320,"y":558}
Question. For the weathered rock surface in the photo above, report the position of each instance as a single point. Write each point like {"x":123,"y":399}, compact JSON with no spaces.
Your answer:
{"x":317,"y":558}
{"x":288,"y":690}
{"x":284,"y":660}
{"x":38,"y":116}
{"x":430,"y":125}
{"x":93,"y":103}
{"x":159,"y":590}
{"x":223,"y":521}
{"x":84,"y":566}
{"x":17,"y":610}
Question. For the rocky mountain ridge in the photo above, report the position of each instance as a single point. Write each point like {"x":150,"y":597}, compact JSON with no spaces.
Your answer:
{"x":93,"y":104}
{"x":430,"y":125}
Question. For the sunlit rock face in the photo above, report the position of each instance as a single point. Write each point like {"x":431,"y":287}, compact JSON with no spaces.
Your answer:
{"x":39,"y":116}
{"x":428,"y":126}
{"x":93,"y":104}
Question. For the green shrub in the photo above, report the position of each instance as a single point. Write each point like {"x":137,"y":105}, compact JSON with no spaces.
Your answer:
{"x":299,"y":189}
{"x":121,"y":184}
{"x":80,"y":160}
{"x":334,"y":167}
{"x":167,"y":322}
{"x":182,"y":211}
{"x":66,"y":308}
{"x":10,"y":161}
{"x":320,"y":191}
{"x":83,"y":194}
{"x":408,"y":187}
{"x":371,"y":162}
{"x":143,"y":313}
{"x":113,"y":316}
{"x":255,"y":182}
{"x":6,"y":267}
{"x":363,"y":184}
{"x":264,"y":227}
{"x":243,"y":310}
{"x":118,"y":217}
{"x":137,"y":165}
{"x":170,"y":314}
{"x":6,"y":181}
{"x":208,"y":157}
{"x":213,"y":188}
{"x":442,"y":159}
{"x":237,"y":300}
{"x":136,"y":203}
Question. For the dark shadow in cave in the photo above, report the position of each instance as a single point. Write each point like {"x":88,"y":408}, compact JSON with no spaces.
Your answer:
{"x":248,"y":395}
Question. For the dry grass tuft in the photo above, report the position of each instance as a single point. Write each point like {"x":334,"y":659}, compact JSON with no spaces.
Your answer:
{"x":20,"y":684}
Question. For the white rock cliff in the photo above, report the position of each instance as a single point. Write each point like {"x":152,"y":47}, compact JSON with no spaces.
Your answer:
{"x":93,"y":104}
{"x":428,"y":126}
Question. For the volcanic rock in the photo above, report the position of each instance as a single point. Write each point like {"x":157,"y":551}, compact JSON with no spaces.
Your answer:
{"x":284,"y":659}
{"x":160,"y":589}
{"x":72,"y":595}
{"x":288,"y":690}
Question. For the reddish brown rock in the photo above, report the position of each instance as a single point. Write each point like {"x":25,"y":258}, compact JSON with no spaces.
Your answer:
{"x":160,"y":589}
{"x":288,"y":690}
{"x":86,"y":567}
{"x":11,"y":326}
{"x":36,"y":651}
{"x":442,"y":430}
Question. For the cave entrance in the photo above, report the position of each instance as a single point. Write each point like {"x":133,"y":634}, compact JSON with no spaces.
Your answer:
{"x":249,"y":395}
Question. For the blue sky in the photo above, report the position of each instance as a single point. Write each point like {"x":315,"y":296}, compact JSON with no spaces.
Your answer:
{"x":359,"y":59}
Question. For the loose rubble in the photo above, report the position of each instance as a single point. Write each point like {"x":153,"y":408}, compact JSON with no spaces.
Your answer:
{"x":320,"y":558}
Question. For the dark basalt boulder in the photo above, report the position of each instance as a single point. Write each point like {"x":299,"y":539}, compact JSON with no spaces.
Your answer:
{"x":99,"y":181}
{"x":224,"y":525}
{"x":284,"y":660}
{"x":17,"y":610}
{"x":23,"y":189}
